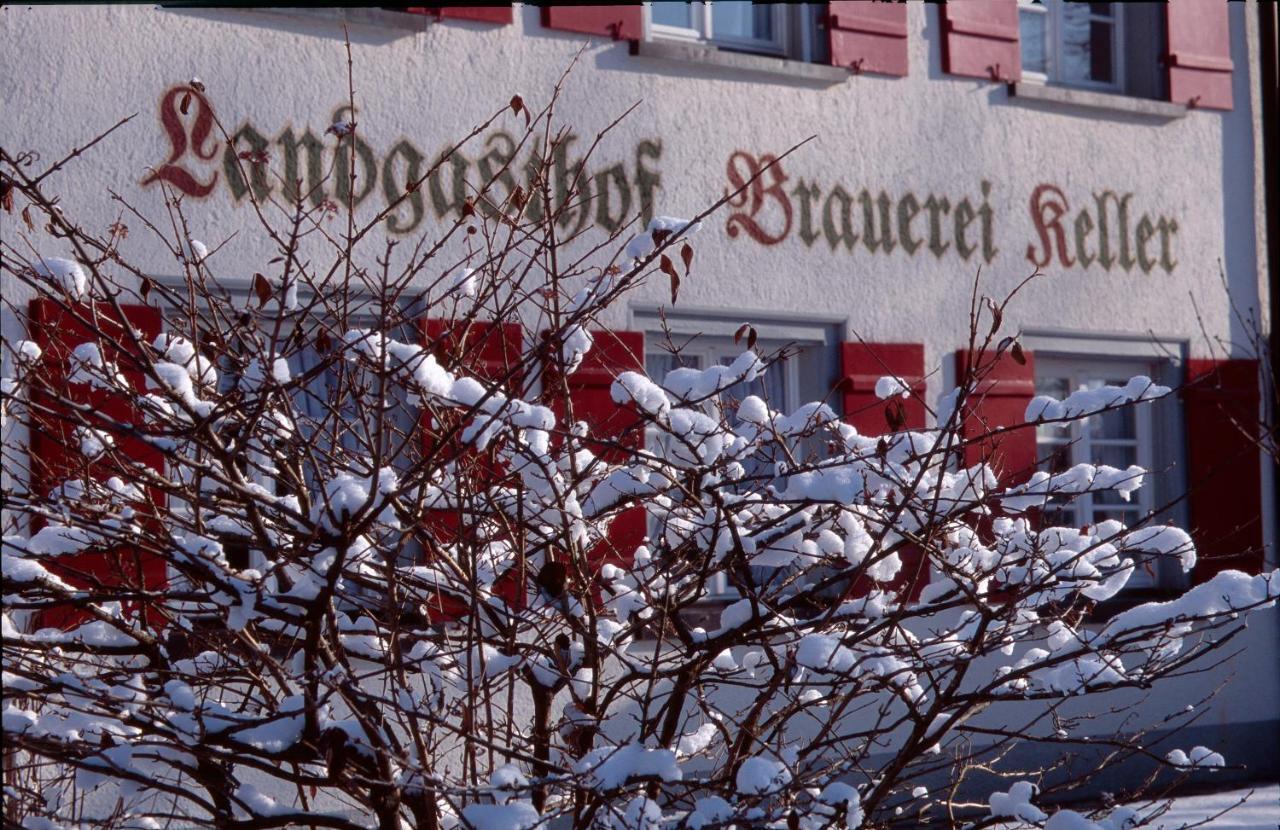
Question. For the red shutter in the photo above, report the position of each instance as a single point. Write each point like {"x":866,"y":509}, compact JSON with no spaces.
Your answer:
{"x":484,"y":14}
{"x":980,"y":39}
{"x":618,"y":22}
{"x":491,"y":352}
{"x":999,"y":400}
{"x":1224,"y":475}
{"x":866,"y":36}
{"x":862,"y":364}
{"x":618,"y":430}
{"x":55,"y":453}
{"x":1199,"y":58}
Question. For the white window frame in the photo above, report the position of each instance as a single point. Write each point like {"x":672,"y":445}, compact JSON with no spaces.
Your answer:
{"x":1155,"y":452}
{"x":1054,"y":26}
{"x":713,"y":351}
{"x":702,"y":30}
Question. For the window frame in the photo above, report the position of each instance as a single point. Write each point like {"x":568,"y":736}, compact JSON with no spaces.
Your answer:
{"x":1052,"y":12}
{"x":796,"y":29}
{"x":819,"y":336}
{"x":1080,"y":445}
{"x":1165,"y":359}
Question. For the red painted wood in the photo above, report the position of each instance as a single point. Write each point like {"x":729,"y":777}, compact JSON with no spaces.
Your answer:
{"x":980,"y":39}
{"x":1198,"y":35}
{"x":1224,"y":474}
{"x":867,"y":36}
{"x":622,"y":22}
{"x":999,"y":400}
{"x":491,"y":352}
{"x":501,"y":14}
{"x":618,"y":429}
{"x":862,"y":364}
{"x":55,"y":453}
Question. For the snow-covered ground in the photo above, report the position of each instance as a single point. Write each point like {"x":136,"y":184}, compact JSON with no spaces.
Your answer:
{"x":1260,"y":810}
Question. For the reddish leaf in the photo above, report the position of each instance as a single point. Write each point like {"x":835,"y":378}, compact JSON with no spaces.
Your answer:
{"x":670,"y":270}
{"x":686,"y":254}
{"x":261,"y":287}
{"x":184,"y":106}
{"x":145,"y":288}
{"x":1016,"y":353}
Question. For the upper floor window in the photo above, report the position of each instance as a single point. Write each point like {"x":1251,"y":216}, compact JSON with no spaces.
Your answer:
{"x":782,"y":29}
{"x":1077,"y":44}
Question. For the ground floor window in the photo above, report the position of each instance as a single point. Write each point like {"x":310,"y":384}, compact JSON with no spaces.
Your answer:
{"x":1145,"y":435}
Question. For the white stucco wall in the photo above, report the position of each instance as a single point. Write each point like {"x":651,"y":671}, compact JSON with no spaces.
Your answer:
{"x":68,"y":73}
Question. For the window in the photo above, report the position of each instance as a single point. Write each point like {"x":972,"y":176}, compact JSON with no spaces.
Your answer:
{"x":702,"y":340}
{"x":782,"y":29}
{"x":1119,"y":438}
{"x":1077,"y":44}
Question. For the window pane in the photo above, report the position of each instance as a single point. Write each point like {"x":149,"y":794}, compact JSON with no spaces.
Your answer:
{"x":1033,"y":25}
{"x":1056,"y":456}
{"x":1120,"y":456}
{"x":672,"y":14}
{"x":1086,"y":45}
{"x":657,"y":364}
{"x":1056,"y":388}
{"x":1100,"y":51}
{"x":1114,"y":424}
{"x":742,"y":21}
{"x":771,"y":387}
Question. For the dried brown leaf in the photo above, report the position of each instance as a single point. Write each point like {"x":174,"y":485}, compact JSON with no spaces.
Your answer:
{"x":262,"y":288}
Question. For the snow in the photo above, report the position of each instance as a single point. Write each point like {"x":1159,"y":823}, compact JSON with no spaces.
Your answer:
{"x":612,"y":766}
{"x":517,"y":815}
{"x":25,"y":351}
{"x":760,"y":776}
{"x":1253,"y":808}
{"x":1016,"y":803}
{"x":66,"y":274}
{"x":463,"y":282}
{"x":887,"y":387}
{"x":1198,"y":756}
{"x":644,"y":244}
{"x":1090,"y":401}
{"x":194,"y":251}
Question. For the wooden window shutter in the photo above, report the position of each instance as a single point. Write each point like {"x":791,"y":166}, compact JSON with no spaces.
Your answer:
{"x":483,"y":14}
{"x":999,"y":400}
{"x":617,"y":429}
{"x":980,"y":39}
{"x":55,"y":452}
{"x":1199,"y":57}
{"x":867,"y":36}
{"x":491,"y":352}
{"x":623,"y":22}
{"x":862,"y":365}
{"x":1224,"y":474}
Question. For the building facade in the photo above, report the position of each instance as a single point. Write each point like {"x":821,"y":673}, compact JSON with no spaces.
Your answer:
{"x":893,"y":157}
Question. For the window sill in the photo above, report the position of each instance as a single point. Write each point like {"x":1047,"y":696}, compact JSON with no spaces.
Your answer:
{"x":1084,"y":99}
{"x":742,"y":63}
